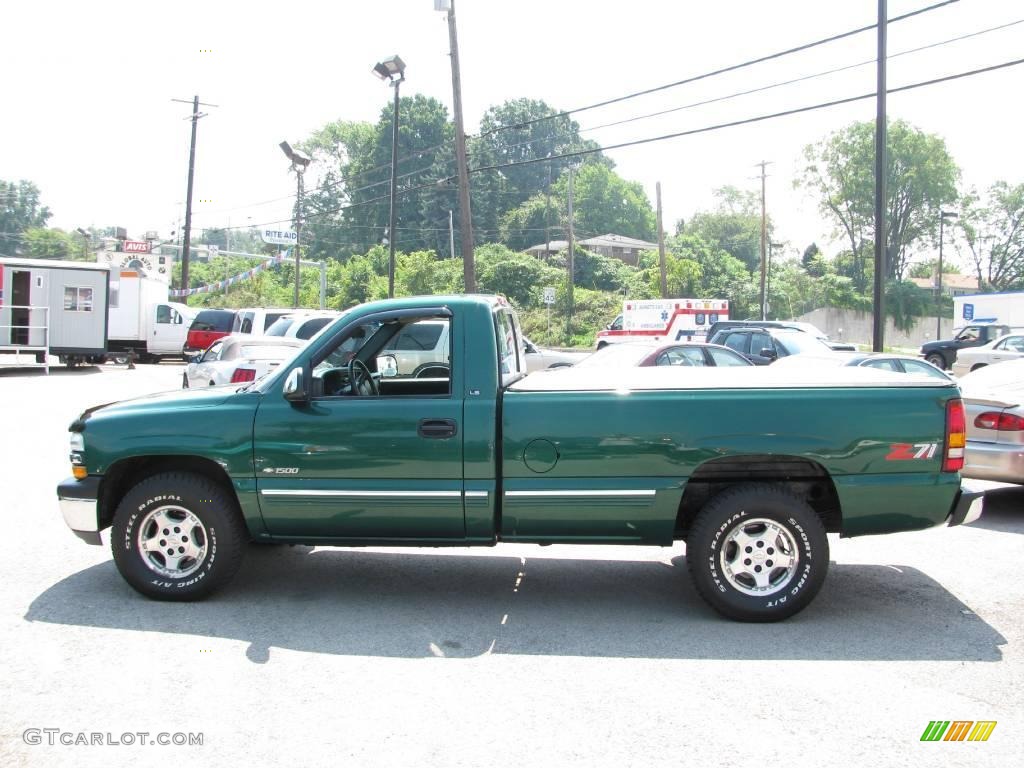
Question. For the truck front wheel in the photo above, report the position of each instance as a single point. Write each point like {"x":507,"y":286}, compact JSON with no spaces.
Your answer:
{"x":757,"y":552}
{"x":937,"y":359}
{"x":177,"y":536}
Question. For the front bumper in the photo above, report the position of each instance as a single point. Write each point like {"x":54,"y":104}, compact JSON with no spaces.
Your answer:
{"x":78,"y":501}
{"x":968,"y":506}
{"x":994,"y":461}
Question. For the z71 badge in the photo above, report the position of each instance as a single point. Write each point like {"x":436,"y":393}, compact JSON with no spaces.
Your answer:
{"x":908,"y":451}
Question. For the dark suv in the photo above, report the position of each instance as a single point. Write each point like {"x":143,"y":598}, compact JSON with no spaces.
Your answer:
{"x":839,"y":346}
{"x":762,"y":346}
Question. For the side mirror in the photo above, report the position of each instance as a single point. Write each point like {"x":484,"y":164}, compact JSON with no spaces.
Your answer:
{"x":768,"y":352}
{"x":387,"y":366}
{"x":295,"y":387}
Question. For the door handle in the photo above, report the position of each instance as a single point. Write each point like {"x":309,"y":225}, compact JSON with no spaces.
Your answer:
{"x":437,"y":428}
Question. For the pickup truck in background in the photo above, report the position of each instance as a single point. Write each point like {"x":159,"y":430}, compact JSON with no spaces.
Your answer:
{"x":341,"y":446}
{"x":942,"y":353}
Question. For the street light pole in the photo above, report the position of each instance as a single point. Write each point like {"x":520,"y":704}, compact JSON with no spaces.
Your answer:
{"x":392,"y":70}
{"x":943,"y":215}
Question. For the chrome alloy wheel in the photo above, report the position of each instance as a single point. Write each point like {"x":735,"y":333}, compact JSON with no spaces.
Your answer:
{"x":759,"y":557}
{"x":172,"y":542}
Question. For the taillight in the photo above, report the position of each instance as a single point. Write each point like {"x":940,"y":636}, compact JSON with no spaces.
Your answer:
{"x":956,"y":436}
{"x":1002,"y":422}
{"x":242,"y":375}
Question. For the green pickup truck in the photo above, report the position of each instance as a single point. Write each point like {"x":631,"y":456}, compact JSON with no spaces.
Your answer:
{"x":338,"y":447}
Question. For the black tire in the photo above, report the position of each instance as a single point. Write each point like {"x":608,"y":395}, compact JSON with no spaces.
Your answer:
{"x":601,"y":345}
{"x":215,"y":526}
{"x":977,"y":367}
{"x":711,"y":546}
{"x":937,"y":359}
{"x":118,"y":358}
{"x":184,"y":381}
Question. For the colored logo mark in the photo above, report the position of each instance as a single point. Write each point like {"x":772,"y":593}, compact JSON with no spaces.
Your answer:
{"x":958,"y":730}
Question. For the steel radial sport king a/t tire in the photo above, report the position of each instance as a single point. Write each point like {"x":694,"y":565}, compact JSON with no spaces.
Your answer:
{"x":757,"y":552}
{"x":177,"y":536}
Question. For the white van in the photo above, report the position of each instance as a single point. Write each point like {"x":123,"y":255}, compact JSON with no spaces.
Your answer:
{"x":257,"y":320}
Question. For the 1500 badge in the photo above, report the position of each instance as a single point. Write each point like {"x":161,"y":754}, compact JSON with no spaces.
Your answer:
{"x":908,"y":451}
{"x":281,"y":471}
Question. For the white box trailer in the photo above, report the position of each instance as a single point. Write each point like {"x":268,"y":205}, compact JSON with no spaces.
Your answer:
{"x":54,"y":307}
{"x":143,"y":320}
{"x":993,"y":308}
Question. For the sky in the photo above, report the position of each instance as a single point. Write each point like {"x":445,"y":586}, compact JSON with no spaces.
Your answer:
{"x":90,"y":117}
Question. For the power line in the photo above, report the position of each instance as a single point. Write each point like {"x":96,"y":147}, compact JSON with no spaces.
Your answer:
{"x":723,"y":70}
{"x":774,"y":85}
{"x":566,"y":113}
{"x":757,"y":119}
{"x":440,"y":184}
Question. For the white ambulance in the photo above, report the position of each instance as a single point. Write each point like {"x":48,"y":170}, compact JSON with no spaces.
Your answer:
{"x":664,"y":320}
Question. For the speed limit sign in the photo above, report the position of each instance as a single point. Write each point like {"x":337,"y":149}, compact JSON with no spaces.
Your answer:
{"x":549,"y":295}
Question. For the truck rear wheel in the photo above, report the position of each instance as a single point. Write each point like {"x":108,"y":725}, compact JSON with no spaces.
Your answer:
{"x":757,"y":552}
{"x":177,"y":536}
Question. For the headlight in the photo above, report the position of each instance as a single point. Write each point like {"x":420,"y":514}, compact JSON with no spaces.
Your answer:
{"x":77,"y":443}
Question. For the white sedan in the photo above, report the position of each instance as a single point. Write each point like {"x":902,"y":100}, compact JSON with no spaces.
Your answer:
{"x":1009,"y":347}
{"x":538,"y":358}
{"x":239,"y":360}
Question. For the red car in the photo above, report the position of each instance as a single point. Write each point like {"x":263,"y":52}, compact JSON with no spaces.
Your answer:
{"x":209,"y":325}
{"x":640,"y":354}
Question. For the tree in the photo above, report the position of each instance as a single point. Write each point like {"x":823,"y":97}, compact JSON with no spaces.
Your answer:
{"x":505,"y":139}
{"x":922,"y":177}
{"x":994,"y":233}
{"x":734,"y":225}
{"x":40,"y":243}
{"x":20,"y":210}
{"x":603,"y":202}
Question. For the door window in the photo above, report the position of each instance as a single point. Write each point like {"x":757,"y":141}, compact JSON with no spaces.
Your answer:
{"x":759,"y":341}
{"x":681,"y":356}
{"x":917,"y":366}
{"x":163,"y":314}
{"x":721,"y":358}
{"x":737,"y":341}
{"x":884,"y":365}
{"x":212,"y":355}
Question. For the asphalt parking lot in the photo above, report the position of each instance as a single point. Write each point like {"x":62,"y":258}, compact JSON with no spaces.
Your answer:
{"x":517,"y":656}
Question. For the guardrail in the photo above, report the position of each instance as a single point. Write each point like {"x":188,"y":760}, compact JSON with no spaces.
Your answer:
{"x":27,"y":347}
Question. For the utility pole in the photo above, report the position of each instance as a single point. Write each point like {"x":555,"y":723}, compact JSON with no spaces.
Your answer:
{"x":943,"y":215}
{"x":881,"y":166}
{"x":298,"y":229}
{"x":451,"y":232}
{"x":661,"y":246}
{"x":764,"y":240}
{"x":187,"y":240}
{"x":465,"y":213}
{"x":572,"y":262}
{"x":547,"y":215}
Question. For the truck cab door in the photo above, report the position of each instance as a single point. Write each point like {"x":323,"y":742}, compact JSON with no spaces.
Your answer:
{"x":168,"y":333}
{"x":364,"y":463}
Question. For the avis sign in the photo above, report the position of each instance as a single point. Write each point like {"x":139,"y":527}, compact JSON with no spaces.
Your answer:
{"x":135,"y":246}
{"x":278,"y":236}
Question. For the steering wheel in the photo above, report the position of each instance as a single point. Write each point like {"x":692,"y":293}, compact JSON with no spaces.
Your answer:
{"x":361,"y":381}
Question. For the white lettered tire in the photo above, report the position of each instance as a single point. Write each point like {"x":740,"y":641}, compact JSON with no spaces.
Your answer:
{"x":177,"y":536}
{"x":757,"y":552}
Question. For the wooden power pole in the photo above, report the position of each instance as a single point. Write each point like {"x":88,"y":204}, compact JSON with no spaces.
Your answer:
{"x":572,"y":262}
{"x":187,"y":240}
{"x":764,"y":240}
{"x":465,"y":213}
{"x":661,"y":246}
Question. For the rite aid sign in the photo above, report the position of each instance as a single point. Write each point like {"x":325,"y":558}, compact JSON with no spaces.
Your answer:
{"x":278,"y":236}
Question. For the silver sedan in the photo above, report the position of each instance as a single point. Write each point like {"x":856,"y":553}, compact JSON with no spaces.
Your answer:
{"x":994,"y":400}
{"x":239,"y":359}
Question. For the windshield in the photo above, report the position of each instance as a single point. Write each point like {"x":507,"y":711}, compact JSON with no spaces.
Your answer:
{"x":280,"y":326}
{"x":800,"y":343}
{"x":617,"y":356}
